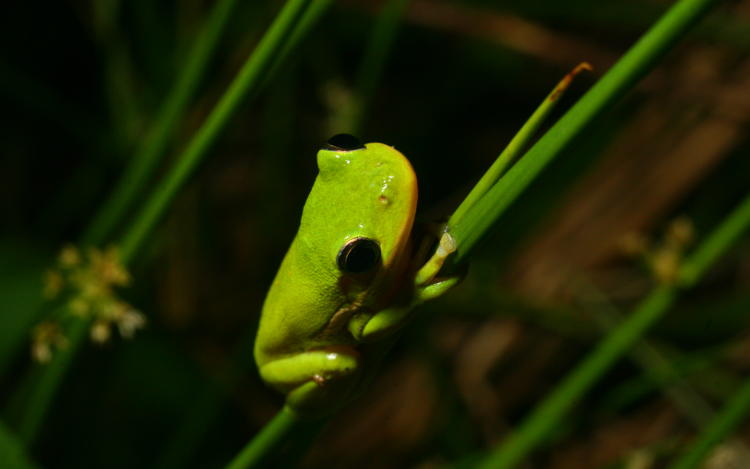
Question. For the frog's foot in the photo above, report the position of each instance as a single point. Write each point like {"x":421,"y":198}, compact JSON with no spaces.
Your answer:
{"x":315,"y":380}
{"x":438,"y":288}
{"x":369,"y":328}
{"x":428,"y":284}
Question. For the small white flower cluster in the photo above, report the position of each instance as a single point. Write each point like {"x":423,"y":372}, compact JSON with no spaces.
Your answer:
{"x":86,"y":285}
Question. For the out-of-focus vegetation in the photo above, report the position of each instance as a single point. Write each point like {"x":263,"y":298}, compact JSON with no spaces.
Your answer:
{"x":86,"y":85}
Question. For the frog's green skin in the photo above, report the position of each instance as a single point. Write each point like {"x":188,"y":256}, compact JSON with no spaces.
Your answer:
{"x":320,"y":326}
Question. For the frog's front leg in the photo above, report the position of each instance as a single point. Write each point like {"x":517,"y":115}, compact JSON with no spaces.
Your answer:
{"x":315,"y":378}
{"x":427,"y":285}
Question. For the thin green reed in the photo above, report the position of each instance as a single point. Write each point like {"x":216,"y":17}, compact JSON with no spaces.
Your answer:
{"x":479,"y":218}
{"x":246,"y":82}
{"x":148,"y":153}
{"x":515,"y":147}
{"x":731,"y":415}
{"x":547,"y":415}
{"x":635,"y":64}
{"x":44,"y":381}
{"x":657,"y":367}
{"x":370,"y":73}
{"x":12,"y":453}
{"x":738,"y":407}
{"x":200,"y":418}
{"x":269,"y":438}
{"x":248,"y":79}
{"x":117,"y":67}
{"x":285,"y":422}
{"x":131,"y":184}
{"x":623,"y":75}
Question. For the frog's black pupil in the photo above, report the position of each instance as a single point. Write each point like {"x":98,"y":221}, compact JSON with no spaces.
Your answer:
{"x":343,"y":142}
{"x":358,"y":256}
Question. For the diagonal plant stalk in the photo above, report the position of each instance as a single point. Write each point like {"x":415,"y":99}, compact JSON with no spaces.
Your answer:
{"x":124,"y":110}
{"x":547,"y":415}
{"x":201,"y":416}
{"x":718,"y":429}
{"x":638,"y":61}
{"x":270,"y":437}
{"x":245,"y":83}
{"x":47,"y":379}
{"x":130,"y":185}
{"x":148,"y":154}
{"x":12,"y":453}
{"x":481,"y":214}
{"x":515,"y":146}
{"x":370,"y":73}
{"x":649,"y":358}
{"x":684,"y":368}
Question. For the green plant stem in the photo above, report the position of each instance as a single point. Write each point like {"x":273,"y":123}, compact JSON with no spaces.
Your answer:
{"x":738,"y":407}
{"x":658,"y":368}
{"x":149,"y":153}
{"x":263,"y":443}
{"x":716,"y":244}
{"x":46,"y":385}
{"x":125,"y":113}
{"x":612,"y":86}
{"x":246,"y":81}
{"x":12,"y":453}
{"x":546,"y":416}
{"x":731,"y":415}
{"x":515,"y":146}
{"x":44,"y":382}
{"x":686,"y":367}
{"x":201,"y":416}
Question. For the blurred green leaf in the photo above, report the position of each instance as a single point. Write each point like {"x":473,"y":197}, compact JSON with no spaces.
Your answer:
{"x":21,"y":286}
{"x":12,"y":454}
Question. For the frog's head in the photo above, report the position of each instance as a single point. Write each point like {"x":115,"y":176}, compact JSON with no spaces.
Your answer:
{"x":359,"y":215}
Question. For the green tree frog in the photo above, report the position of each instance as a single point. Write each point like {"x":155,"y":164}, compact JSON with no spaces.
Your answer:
{"x":348,"y":280}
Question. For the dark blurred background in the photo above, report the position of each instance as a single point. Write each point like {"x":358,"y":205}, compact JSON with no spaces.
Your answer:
{"x":584,"y":242}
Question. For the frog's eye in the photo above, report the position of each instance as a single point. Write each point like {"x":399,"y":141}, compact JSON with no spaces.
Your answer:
{"x":359,"y":255}
{"x":343,"y":142}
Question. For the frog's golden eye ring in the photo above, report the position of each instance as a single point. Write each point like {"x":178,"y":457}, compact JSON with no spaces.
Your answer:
{"x":358,"y":256}
{"x":343,"y":142}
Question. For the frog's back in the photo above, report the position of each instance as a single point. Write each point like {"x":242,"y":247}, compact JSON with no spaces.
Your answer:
{"x":294,"y":310}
